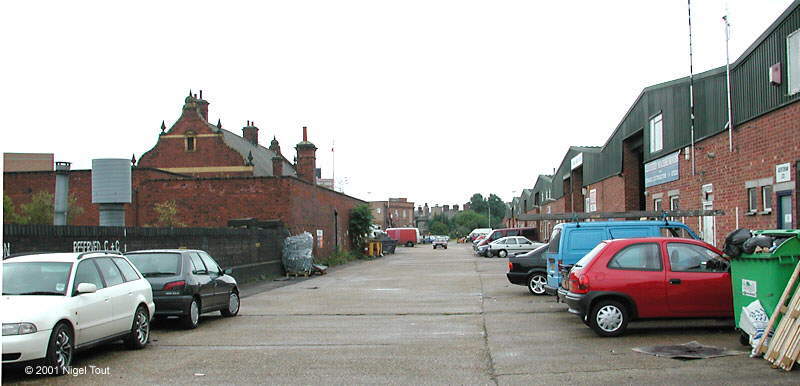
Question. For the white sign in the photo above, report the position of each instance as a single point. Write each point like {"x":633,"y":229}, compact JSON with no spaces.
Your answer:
{"x":576,"y":161}
{"x":319,"y":237}
{"x":783,"y":172}
{"x":749,"y":288}
{"x":593,"y":200}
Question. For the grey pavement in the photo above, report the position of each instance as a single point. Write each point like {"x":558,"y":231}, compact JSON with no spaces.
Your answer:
{"x":421,"y":316}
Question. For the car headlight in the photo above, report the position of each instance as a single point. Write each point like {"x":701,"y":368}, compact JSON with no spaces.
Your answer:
{"x":18,"y":328}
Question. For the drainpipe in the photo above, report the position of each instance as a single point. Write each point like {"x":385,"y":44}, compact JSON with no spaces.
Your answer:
{"x":62,"y":193}
{"x":728,"y":81}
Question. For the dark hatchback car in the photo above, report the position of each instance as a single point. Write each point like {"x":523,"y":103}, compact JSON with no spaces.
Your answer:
{"x":187,"y":283}
{"x":529,"y":269}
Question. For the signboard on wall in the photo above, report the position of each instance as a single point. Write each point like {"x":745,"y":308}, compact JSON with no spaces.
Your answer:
{"x":319,"y":238}
{"x":593,"y":200}
{"x":662,"y":170}
{"x":783,"y":172}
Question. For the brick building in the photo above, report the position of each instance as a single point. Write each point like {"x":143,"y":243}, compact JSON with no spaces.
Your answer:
{"x":393,"y":213}
{"x":214,"y":176}
{"x":28,"y":162}
{"x":659,"y":158}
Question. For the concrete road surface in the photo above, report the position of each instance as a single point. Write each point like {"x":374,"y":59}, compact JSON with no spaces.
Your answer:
{"x":421,"y":316}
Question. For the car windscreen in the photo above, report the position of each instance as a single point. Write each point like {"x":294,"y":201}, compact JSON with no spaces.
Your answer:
{"x":36,"y":278}
{"x":589,"y":256}
{"x":555,"y":241}
{"x":156,"y":264}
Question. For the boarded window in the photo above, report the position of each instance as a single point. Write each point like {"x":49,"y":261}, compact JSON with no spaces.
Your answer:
{"x":793,"y":65}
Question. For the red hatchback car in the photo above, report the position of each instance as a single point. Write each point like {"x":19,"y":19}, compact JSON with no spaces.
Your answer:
{"x":649,"y":278}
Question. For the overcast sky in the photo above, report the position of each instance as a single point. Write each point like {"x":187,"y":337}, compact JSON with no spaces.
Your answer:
{"x":430,"y":100}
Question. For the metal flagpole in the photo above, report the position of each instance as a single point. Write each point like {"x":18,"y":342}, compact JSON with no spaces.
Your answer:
{"x":728,"y":79}
{"x":691,"y":85}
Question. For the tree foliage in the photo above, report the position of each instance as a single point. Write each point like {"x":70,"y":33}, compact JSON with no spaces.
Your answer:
{"x":40,"y":210}
{"x":360,"y":226}
{"x":168,"y":214}
{"x":481,"y":205}
{"x":439,"y":228}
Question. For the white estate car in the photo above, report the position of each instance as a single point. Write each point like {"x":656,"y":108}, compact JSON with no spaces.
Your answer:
{"x":56,"y":303}
{"x":511,"y":245}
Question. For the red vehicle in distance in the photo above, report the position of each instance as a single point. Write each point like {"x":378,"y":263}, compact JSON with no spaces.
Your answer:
{"x":649,"y":278}
{"x":407,"y":236}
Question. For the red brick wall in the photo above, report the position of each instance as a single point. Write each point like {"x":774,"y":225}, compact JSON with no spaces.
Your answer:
{"x":21,"y":187}
{"x":759,"y":145}
{"x":211,"y":202}
{"x":609,"y":194}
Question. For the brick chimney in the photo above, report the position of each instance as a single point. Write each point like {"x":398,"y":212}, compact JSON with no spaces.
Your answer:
{"x":250,"y":133}
{"x":277,"y":166}
{"x":202,"y":106}
{"x":277,"y":159}
{"x":306,"y":159}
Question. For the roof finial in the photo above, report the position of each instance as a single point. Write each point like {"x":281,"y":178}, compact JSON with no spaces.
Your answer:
{"x":163,"y":127}
{"x":250,"y":158}
{"x":201,"y":94}
{"x":219,"y":123}
{"x":190,"y":92}
{"x":133,"y":160}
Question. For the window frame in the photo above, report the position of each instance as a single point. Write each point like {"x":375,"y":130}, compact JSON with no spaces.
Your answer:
{"x":669,"y":258}
{"x":103,"y":276}
{"x":190,"y":137}
{"x":792,"y":85}
{"x":75,"y":277}
{"x":764,"y":196}
{"x":660,"y":258}
{"x":118,"y":261}
{"x":676,"y":200}
{"x":194,"y":271}
{"x":216,"y":264}
{"x":658,"y":204}
{"x":656,"y":141}
{"x":752,"y":200}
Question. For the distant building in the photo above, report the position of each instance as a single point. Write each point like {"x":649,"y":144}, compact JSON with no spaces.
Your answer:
{"x":28,"y":162}
{"x":394,"y":213}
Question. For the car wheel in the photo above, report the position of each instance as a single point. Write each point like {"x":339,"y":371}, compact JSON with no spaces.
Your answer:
{"x":536,"y":283}
{"x":609,"y":318}
{"x":60,"y":349}
{"x":233,"y":304}
{"x":140,"y":330}
{"x":409,"y":244}
{"x":192,"y":318}
{"x":502,"y":253}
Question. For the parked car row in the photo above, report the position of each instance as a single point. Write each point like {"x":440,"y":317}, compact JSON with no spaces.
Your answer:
{"x":482,"y":248}
{"x":55,"y":304}
{"x":621,"y":271}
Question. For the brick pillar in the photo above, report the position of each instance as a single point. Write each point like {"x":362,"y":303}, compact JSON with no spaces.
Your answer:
{"x":306,"y":159}
{"x":250,"y":133}
{"x":277,"y":166}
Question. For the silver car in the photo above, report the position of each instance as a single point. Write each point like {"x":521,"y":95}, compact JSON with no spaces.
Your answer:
{"x":511,"y":245}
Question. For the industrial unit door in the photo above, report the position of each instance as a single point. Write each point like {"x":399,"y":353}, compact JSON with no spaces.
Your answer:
{"x":784,"y":211}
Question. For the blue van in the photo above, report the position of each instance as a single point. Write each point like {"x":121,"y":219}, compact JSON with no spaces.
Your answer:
{"x":570,"y":241}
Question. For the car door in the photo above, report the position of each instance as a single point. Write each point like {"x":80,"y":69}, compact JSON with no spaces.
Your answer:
{"x":637,"y":271}
{"x":698,"y":282}
{"x":120,"y":294}
{"x":221,"y":287}
{"x":92,"y":310}
{"x":511,"y":245}
{"x":525,"y":245}
{"x":204,"y":282}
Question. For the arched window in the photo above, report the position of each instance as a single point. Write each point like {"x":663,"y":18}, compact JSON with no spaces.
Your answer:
{"x":191,"y":141}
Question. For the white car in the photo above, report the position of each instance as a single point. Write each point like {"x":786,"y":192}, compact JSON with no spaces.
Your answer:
{"x":56,"y":303}
{"x":511,"y":245}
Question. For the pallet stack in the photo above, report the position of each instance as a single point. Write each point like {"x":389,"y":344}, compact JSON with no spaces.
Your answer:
{"x":784,"y":347}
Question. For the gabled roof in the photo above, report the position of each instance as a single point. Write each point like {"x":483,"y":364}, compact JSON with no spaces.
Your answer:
{"x":262,"y":156}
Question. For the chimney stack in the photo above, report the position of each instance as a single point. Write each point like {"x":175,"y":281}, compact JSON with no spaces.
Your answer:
{"x":306,"y":159}
{"x":62,"y":193}
{"x":202,"y":106}
{"x":250,"y":133}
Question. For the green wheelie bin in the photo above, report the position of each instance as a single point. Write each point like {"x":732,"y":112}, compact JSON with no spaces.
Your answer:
{"x":763,"y":276}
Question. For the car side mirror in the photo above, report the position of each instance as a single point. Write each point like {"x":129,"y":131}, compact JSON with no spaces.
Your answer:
{"x":86,"y":288}
{"x":228,"y":271}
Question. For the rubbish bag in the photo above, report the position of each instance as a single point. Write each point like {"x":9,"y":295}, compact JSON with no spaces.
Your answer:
{"x":734,"y":241}
{"x":762,"y":241}
{"x":298,"y":253}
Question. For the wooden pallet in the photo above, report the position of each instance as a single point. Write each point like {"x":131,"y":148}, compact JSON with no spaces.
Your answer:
{"x":298,"y":274}
{"x":784,"y":347}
